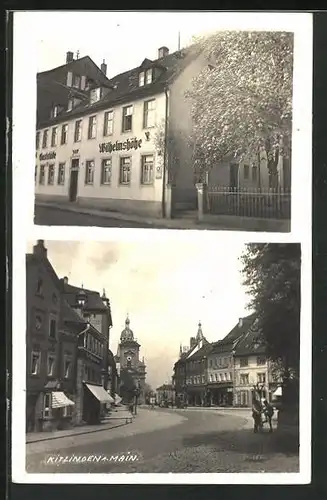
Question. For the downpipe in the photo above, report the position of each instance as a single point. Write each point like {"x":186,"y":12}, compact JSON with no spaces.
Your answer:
{"x":164,"y":175}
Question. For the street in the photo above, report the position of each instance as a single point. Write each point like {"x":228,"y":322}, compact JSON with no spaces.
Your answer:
{"x":163,"y":441}
{"x":49,"y":216}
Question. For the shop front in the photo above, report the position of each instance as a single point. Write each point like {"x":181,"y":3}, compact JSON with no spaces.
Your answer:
{"x":95,"y":401}
{"x":196,"y":396}
{"x":220,"y":394}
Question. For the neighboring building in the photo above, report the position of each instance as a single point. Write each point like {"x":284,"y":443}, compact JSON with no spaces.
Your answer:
{"x":119,"y":142}
{"x":132,"y":371}
{"x":196,"y":375}
{"x":65,"y":353}
{"x":221,"y":370}
{"x":165,"y":393}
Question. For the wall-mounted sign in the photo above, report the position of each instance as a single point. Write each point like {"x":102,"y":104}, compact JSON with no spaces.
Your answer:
{"x":48,"y":156}
{"x":159,"y":173}
{"x":108,"y":147}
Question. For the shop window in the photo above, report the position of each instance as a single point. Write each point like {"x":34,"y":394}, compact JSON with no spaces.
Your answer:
{"x":35,"y":362}
{"x":61,"y":174}
{"x":108,"y":123}
{"x":47,"y":410}
{"x":67,"y":411}
{"x":89,"y":172}
{"x":127,"y":119}
{"x":106,"y":165}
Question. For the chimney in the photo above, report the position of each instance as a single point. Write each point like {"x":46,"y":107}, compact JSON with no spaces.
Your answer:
{"x":240,"y":322}
{"x":69,"y":57}
{"x":65,"y":280}
{"x":163,"y":52}
{"x":39,"y":249}
{"x":104,"y":67}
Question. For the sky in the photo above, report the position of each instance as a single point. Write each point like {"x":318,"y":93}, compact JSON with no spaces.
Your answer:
{"x":165,"y":288}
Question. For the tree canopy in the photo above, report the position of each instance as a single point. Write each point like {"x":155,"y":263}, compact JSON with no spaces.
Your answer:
{"x":241,"y":102}
{"x":272,"y":275}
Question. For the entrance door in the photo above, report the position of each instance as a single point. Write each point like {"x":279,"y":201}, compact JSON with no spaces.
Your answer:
{"x":73,"y":179}
{"x":233,"y":175}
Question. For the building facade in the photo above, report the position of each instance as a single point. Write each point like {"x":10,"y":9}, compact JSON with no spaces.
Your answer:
{"x":66,"y":356}
{"x":132,"y":371}
{"x":165,"y":394}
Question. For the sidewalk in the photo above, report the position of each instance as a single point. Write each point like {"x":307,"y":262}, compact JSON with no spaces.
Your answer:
{"x":146,"y":221}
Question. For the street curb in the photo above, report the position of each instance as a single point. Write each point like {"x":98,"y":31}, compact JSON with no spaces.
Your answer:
{"x":75,"y":434}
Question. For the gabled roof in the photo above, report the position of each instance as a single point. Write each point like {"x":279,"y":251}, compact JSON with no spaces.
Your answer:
{"x":125,"y":86}
{"x":251,"y":343}
{"x":94,"y":301}
{"x":228,"y":343}
{"x":200,"y":353}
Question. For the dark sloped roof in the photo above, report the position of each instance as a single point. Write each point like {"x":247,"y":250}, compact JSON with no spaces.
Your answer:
{"x":93,"y":302}
{"x":165,"y":387}
{"x":251,"y":343}
{"x":126,"y":85}
{"x":200,"y":353}
{"x":229,"y":342}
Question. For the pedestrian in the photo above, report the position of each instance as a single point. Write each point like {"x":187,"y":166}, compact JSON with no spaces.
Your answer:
{"x":268,"y":412}
{"x":256,"y":415}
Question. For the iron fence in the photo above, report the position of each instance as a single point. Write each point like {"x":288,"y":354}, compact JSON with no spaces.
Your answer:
{"x":249,"y":202}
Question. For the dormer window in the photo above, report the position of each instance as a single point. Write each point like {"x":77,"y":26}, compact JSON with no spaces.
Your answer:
{"x":148,"y":76}
{"x":70,"y":105}
{"x":55,"y":111}
{"x":141,"y":79}
{"x":95,"y":95}
{"x":76,"y":81}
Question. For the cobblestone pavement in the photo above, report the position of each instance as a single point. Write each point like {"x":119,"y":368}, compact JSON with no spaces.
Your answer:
{"x":202,"y":442}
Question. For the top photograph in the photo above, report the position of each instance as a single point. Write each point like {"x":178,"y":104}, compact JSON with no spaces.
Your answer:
{"x":143,"y":125}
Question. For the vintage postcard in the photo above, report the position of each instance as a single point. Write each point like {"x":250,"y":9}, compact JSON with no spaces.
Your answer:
{"x":162,"y":260}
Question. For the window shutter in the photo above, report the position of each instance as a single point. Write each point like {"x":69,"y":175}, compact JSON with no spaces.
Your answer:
{"x":69,"y":79}
{"x":83,"y":80}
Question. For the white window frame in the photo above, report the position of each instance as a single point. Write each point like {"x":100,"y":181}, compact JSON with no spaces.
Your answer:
{"x":78,"y":128}
{"x":122,"y":176}
{"x":54,"y":136}
{"x":68,"y":371}
{"x":148,"y":76}
{"x":45,"y":138}
{"x":64,"y":134}
{"x":126,"y":112}
{"x":61,"y":174}
{"x":108,"y":123}
{"x":147,"y":176}
{"x":51,"y":174}
{"x":38,"y":363}
{"x":70,"y":104}
{"x":106,"y":171}
{"x":89,"y":172}
{"x":53,"y":357}
{"x":261,"y":378}
{"x":92,"y":127}
{"x":42,"y":175}
{"x":141,"y":79}
{"x":149,"y":111}
{"x":79,"y":79}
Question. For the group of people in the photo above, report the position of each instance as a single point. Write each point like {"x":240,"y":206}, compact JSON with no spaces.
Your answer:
{"x":262,"y":412}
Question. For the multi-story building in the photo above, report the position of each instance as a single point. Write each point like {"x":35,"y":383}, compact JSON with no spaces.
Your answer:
{"x":120,"y":142}
{"x":221,"y":369}
{"x":132,"y":371}
{"x":67,"y":356}
{"x":165,"y":394}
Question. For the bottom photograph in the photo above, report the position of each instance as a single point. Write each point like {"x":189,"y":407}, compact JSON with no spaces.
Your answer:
{"x":146,"y":357}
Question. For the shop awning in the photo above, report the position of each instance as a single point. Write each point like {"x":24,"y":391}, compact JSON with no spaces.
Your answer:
{"x":60,"y":400}
{"x":111,"y":398}
{"x":99,"y":393}
{"x":278,"y":392}
{"x":118,"y":399}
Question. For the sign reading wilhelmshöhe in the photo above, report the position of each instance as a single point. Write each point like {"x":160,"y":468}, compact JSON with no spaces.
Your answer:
{"x":108,"y":147}
{"x":48,"y":156}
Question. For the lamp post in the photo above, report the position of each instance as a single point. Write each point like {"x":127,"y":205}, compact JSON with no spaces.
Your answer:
{"x":136,"y":396}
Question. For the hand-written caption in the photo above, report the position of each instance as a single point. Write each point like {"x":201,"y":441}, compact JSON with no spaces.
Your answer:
{"x":80,"y":459}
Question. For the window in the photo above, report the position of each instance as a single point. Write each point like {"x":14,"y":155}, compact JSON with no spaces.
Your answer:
{"x":141,"y":79}
{"x":70,"y":105}
{"x":226,"y":376}
{"x":51,"y":365}
{"x":127,"y":119}
{"x":51,"y":174}
{"x":261,"y":378}
{"x":55,"y":111}
{"x":64,"y":134}
{"x":147,"y":176}
{"x":148,"y":76}
{"x":92,"y":130}
{"x":244,"y":379}
{"x":216,"y":377}
{"x":254,"y":173}
{"x":42,"y":174}
{"x":244,"y":362}
{"x":54,"y":137}
{"x":246,"y":170}
{"x":261,"y":360}
{"x":95,"y":95}
{"x":61,"y":174}
{"x":39,"y":287}
{"x":108,"y":123}
{"x":35,"y":362}
{"x":149,"y":113}
{"x":78,"y":131}
{"x":47,"y":405}
{"x":89,"y":172}
{"x":53,"y":328}
{"x":67,"y":366}
{"x":67,"y":411}
{"x":125,"y":170}
{"x":45,"y":139}
{"x":106,"y":171}
{"x":37,"y":140}
{"x":230,"y":376}
{"x":76,"y":81}
{"x":211,"y":377}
